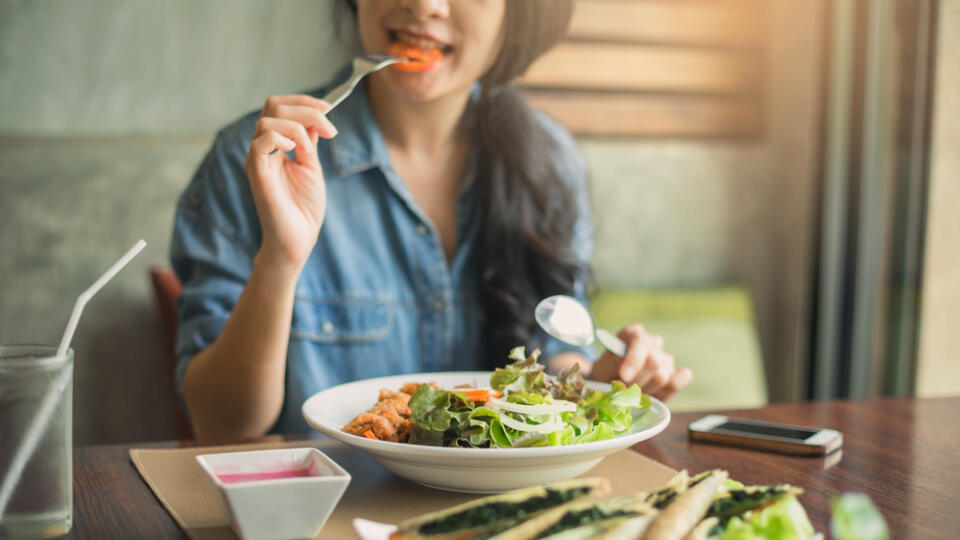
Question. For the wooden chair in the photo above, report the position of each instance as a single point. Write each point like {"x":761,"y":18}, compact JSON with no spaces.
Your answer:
{"x":166,"y":289}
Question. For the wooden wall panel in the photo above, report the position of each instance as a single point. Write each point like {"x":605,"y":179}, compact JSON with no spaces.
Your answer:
{"x":713,"y":22}
{"x":614,"y":66}
{"x":624,"y":115}
{"x":656,"y":68}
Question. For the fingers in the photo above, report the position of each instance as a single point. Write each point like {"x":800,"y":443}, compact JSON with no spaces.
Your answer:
{"x":663,"y":370}
{"x":648,"y":366}
{"x":640,"y":364}
{"x":261,"y":157}
{"x":273,"y":102}
{"x":308,"y":111}
{"x":680,"y":379}
{"x":270,"y":141}
{"x":635,"y":361}
{"x":310,"y":117}
{"x":645,"y":364}
{"x":305,"y":150}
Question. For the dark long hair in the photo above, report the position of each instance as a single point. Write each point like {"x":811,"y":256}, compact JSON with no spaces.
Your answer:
{"x":527,"y":210}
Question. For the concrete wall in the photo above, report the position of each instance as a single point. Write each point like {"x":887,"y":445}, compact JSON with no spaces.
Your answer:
{"x":122,"y":67}
{"x":676,"y":213}
{"x":70,"y":207}
{"x":939,"y":364}
{"x":106,"y":107}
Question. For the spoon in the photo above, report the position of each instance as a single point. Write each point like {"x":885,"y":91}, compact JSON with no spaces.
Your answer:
{"x":568,"y":320}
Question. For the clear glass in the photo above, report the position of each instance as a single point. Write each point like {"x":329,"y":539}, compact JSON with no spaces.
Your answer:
{"x":41,"y":505}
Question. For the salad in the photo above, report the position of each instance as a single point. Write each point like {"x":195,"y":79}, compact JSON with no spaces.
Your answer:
{"x":524,"y":406}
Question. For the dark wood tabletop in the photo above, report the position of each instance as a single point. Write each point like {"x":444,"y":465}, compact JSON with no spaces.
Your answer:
{"x":903,"y":453}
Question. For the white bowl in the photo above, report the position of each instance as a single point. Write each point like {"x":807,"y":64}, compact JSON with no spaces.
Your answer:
{"x":469,"y":470}
{"x":283,"y":493}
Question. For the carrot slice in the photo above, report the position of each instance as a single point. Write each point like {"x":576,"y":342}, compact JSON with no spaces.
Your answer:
{"x":480,"y":394}
{"x":369,"y":434}
{"x":416,"y":59}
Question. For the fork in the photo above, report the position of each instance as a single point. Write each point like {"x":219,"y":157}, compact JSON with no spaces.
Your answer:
{"x":362,"y":66}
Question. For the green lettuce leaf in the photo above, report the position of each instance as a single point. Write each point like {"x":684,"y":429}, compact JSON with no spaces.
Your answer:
{"x":568,"y":385}
{"x":784,"y":520}
{"x":429,"y":408}
{"x":740,"y":500}
{"x":615,"y":408}
{"x":855,"y":518}
{"x":476,"y":429}
{"x":524,"y":375}
{"x":428,"y":437}
{"x":530,"y":439}
{"x":450,"y":418}
{"x":581,"y":420}
{"x":561,"y":436}
{"x":598,"y":432}
{"x":499,"y":435}
{"x":526,"y":398}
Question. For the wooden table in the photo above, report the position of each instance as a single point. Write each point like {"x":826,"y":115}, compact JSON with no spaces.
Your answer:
{"x":903,"y":453}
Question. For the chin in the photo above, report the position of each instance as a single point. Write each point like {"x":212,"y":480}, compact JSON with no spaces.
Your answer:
{"x":414,"y":86}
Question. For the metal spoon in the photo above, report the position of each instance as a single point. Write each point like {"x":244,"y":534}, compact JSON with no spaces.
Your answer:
{"x":566,"y":319}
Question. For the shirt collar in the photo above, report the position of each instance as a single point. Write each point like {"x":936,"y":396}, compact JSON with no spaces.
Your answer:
{"x":359,"y":144}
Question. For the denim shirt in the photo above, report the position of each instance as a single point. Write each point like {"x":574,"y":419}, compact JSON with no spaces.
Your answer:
{"x":377,"y":296}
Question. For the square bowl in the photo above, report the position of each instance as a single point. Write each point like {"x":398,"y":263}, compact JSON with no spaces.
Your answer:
{"x":283,"y":493}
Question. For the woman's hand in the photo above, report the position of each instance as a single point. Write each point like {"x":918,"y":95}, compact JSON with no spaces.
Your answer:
{"x":645,"y":364}
{"x":290,"y":194}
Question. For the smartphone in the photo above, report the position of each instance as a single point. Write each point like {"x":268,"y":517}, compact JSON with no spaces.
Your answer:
{"x":773,"y":437}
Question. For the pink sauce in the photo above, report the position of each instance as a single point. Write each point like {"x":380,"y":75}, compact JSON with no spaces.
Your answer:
{"x":266,"y":475}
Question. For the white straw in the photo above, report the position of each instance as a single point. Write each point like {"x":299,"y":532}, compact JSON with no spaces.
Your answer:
{"x":88,"y":294}
{"x":40,"y":420}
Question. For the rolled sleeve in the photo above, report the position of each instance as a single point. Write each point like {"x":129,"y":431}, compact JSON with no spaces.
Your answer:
{"x":214,"y":271}
{"x":212,"y":248}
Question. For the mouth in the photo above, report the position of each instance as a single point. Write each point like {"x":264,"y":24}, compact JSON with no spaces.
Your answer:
{"x":419,"y":41}
{"x":420,"y":52}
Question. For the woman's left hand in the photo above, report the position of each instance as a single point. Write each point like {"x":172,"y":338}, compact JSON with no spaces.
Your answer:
{"x":645,"y":364}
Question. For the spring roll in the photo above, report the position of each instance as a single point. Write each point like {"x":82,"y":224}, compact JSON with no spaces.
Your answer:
{"x":577,"y":514}
{"x":687,"y":509}
{"x":485,"y":516}
{"x":617,"y":528}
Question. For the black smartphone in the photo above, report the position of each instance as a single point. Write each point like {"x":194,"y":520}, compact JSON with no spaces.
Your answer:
{"x":770,"y":436}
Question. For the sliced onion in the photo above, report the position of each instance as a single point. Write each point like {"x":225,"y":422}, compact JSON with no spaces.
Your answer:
{"x":546,"y":427}
{"x":558,"y":406}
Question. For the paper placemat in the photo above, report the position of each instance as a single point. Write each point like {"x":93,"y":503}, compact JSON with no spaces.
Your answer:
{"x":374,"y":493}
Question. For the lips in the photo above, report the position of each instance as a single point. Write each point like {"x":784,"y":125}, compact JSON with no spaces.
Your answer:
{"x":420,"y":41}
{"x":415,"y":58}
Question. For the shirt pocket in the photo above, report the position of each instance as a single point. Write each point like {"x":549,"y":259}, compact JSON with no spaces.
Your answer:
{"x":342,"y":320}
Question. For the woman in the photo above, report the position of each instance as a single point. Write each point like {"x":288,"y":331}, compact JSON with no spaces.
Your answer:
{"x":419,"y":238}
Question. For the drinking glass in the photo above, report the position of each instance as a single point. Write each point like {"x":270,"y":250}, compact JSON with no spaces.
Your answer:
{"x":41,"y":504}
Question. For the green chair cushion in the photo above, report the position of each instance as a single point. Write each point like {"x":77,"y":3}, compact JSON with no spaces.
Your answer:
{"x":711,"y":331}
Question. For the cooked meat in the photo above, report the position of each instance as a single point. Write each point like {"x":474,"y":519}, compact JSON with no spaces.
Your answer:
{"x":389,"y":418}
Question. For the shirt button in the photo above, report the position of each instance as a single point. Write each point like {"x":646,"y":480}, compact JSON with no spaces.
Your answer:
{"x":438,"y":305}
{"x":421,"y":229}
{"x":327,"y":327}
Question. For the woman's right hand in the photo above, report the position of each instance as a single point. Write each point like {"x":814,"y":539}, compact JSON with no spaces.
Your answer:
{"x":290,"y":194}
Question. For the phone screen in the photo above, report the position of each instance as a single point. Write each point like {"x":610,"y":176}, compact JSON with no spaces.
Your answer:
{"x":772,"y":431}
